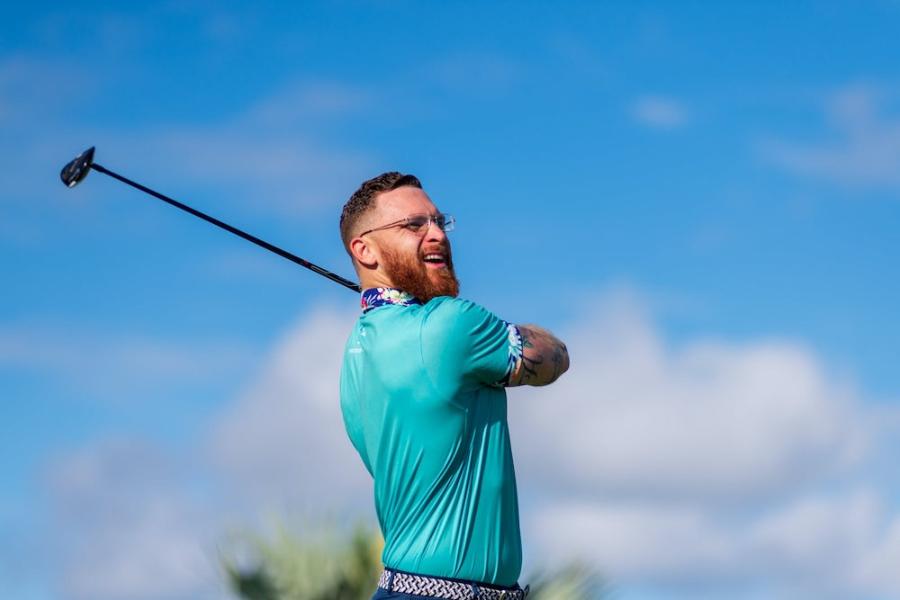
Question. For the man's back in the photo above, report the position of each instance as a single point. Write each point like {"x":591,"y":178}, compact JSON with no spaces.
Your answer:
{"x":422,"y":406}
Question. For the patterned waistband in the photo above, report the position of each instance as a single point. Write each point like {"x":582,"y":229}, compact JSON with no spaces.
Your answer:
{"x":436,"y":587}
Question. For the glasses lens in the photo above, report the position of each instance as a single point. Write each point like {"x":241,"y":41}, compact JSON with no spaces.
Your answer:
{"x":417,"y":222}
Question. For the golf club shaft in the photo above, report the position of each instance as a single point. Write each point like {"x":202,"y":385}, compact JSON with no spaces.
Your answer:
{"x":250,"y":238}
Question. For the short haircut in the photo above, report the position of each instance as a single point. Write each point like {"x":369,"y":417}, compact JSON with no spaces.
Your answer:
{"x":363,"y":199}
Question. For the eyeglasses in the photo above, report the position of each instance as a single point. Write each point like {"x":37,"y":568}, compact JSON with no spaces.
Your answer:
{"x":419,"y":223}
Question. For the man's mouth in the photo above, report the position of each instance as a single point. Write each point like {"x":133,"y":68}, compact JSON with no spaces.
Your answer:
{"x":435,"y":260}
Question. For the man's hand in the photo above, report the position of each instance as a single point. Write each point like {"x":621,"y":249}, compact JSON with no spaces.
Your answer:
{"x":544,"y":358}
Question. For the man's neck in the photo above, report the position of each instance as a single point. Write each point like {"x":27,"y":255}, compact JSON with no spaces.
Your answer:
{"x":374,"y":279}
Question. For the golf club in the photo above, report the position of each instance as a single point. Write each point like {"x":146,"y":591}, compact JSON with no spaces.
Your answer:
{"x":75,"y":171}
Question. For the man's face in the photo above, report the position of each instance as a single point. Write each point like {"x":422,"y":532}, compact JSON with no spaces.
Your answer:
{"x":420,"y":263}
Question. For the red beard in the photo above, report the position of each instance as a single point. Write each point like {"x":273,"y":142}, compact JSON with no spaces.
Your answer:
{"x":411,"y":275}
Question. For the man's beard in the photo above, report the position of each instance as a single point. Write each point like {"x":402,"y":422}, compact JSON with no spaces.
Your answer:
{"x":411,"y":275}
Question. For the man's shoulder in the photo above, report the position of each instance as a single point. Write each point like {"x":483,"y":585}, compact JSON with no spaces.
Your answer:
{"x":449,"y":307}
{"x":458,"y":317}
{"x":467,"y":340}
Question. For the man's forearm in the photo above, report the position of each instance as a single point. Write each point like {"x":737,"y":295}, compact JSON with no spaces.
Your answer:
{"x":544,"y":357}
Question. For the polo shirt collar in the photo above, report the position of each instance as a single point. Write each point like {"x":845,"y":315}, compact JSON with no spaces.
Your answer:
{"x":375,"y":297}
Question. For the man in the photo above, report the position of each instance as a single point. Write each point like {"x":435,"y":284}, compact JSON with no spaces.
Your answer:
{"x":423,"y":399}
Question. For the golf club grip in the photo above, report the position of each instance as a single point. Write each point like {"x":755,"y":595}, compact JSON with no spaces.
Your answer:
{"x":250,"y":238}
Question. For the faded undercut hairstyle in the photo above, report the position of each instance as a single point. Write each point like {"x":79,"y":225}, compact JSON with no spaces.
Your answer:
{"x":363,"y":199}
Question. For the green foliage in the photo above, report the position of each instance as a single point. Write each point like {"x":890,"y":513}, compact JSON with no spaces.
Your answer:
{"x":572,"y":582}
{"x":326,"y":565}
{"x":321,"y":565}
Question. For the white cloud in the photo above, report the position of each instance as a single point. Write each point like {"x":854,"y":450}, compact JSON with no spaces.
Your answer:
{"x":283,"y":171}
{"x":151,"y":523}
{"x":816,"y":546}
{"x":702,"y":464}
{"x":110,"y":365}
{"x":876,"y":569}
{"x":707,"y":420}
{"x":282,"y":443}
{"x":631,"y":542}
{"x":680,"y":466}
{"x":862,"y":147}
{"x":659,"y":112}
{"x":267,"y":152}
{"x":798,"y":540}
{"x":274,"y":155}
{"x":126,"y":527}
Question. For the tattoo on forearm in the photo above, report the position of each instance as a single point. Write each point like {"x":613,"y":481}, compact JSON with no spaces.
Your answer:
{"x":539,"y":367}
{"x":530,"y":364}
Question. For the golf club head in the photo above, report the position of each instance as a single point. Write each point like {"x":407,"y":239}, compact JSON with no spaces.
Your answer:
{"x":78,"y":169}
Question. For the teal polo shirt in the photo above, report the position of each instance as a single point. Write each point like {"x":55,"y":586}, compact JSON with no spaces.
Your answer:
{"x":424,"y":405}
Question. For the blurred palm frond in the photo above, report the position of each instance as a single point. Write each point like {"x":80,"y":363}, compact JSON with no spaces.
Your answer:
{"x":326,"y":565}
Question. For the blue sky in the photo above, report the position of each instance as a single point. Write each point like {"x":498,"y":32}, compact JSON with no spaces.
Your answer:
{"x":704,"y":199}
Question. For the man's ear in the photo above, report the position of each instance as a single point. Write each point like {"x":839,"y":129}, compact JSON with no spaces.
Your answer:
{"x":364,"y":253}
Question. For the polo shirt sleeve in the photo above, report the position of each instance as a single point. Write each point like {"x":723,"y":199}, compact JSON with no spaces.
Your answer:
{"x":464,"y":340}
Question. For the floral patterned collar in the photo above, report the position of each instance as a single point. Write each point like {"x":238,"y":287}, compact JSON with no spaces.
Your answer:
{"x":375,"y":297}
